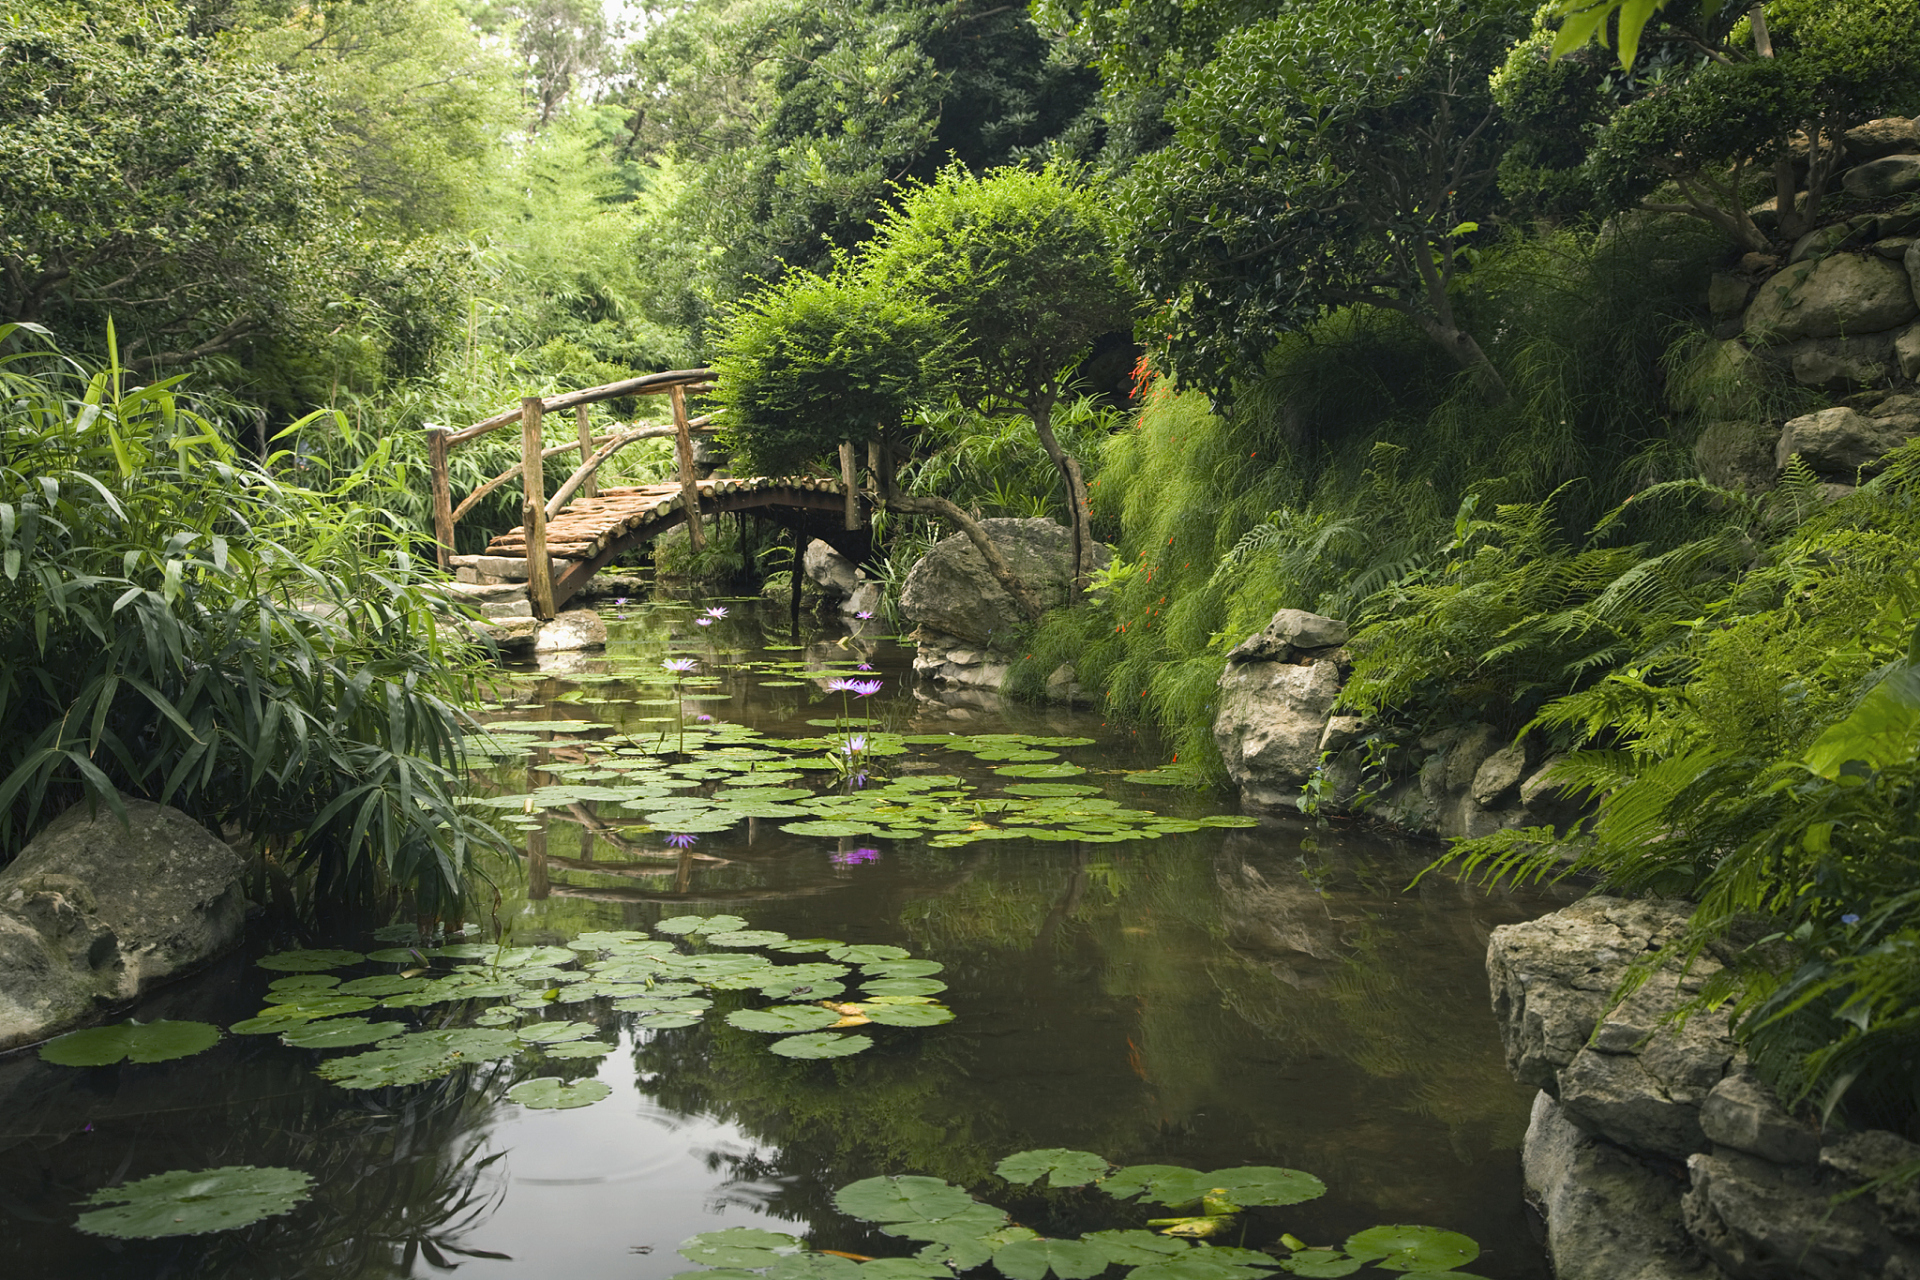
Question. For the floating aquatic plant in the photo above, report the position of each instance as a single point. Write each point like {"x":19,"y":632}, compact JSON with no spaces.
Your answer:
{"x":193,"y":1202}
{"x":132,"y":1041}
{"x":962,"y":1233}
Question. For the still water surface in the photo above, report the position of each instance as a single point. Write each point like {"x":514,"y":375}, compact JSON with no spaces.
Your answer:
{"x":1273,"y":995}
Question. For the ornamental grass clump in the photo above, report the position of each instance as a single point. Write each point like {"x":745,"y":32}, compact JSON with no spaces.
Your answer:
{"x":178,"y":624}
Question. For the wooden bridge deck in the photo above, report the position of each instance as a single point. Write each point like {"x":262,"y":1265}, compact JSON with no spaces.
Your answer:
{"x":591,"y":531}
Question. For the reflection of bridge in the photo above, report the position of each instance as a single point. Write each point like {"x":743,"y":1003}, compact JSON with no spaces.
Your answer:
{"x":560,"y":543}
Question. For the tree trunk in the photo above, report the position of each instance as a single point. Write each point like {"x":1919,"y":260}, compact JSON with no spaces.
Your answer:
{"x":997,"y":565}
{"x":1439,"y":326}
{"x":1077,"y":517}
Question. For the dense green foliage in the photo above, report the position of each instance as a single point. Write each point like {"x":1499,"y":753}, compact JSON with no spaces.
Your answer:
{"x":183,"y":627}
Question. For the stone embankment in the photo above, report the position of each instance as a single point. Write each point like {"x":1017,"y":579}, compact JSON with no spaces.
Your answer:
{"x":1654,"y":1151}
{"x":94,"y":913}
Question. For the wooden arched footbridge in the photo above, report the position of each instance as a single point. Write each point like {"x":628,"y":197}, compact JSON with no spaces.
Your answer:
{"x":564,"y":540}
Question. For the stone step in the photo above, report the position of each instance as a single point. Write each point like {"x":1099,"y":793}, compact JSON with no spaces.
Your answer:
{"x":477,"y":593}
{"x":493,"y":570}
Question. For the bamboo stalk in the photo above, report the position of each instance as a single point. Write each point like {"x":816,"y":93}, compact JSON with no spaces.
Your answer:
{"x":533,"y":510}
{"x":689,"y":483}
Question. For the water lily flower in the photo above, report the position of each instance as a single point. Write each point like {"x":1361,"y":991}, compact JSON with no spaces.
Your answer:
{"x":703,"y":622}
{"x":864,"y":614}
{"x":864,"y":688}
{"x":619,"y":599}
{"x":679,"y":666}
{"x":853,"y":857}
{"x":717,"y":611}
{"x":704,"y":719}
{"x":866,"y":666}
{"x":682,"y":839}
{"x":839,"y":684}
{"x":855,"y":745}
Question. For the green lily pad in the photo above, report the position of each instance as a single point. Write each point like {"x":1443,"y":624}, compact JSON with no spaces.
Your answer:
{"x":340,"y":1033}
{"x":382,"y":985}
{"x":1227,"y":820}
{"x":305,"y":982}
{"x":1050,"y":789}
{"x":554,"y":1032}
{"x":302,"y":961}
{"x":829,"y":828}
{"x":902,"y":1199}
{"x":190,"y":1202}
{"x":666,"y":1019}
{"x":1135,"y":1248}
{"x":745,"y":938}
{"x":578,"y":1049}
{"x":904,"y":986}
{"x":909,"y":1015}
{"x":142,"y":1042}
{"x":1404,"y":1248}
{"x":1323,"y":1264}
{"x":1157,"y":1184}
{"x":1033,"y":1259}
{"x":902,"y":969}
{"x":867,"y":954}
{"x":1063,"y":769}
{"x":419,"y":1057}
{"x":820,"y":1044}
{"x":549,"y":1093}
{"x":1202,"y":1263}
{"x":1059,"y":1165}
{"x":904,"y":1269}
{"x":974,"y":1222}
{"x":1265,"y":1185}
{"x":748,"y":1247}
{"x":783,"y":1019}
{"x":808,"y":1266}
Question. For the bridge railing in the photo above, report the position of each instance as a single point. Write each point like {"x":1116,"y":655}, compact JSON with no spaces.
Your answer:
{"x":535,"y":508}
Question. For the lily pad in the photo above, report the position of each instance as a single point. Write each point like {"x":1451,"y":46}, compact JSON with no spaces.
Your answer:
{"x":867,"y":954}
{"x":820,"y":1044}
{"x":910,"y":1015}
{"x":578,"y":1049}
{"x":1135,"y":1248}
{"x":904,"y":1269}
{"x":1033,"y":1259}
{"x":304,"y":961}
{"x":160,"y":1041}
{"x":748,"y":1247}
{"x":1158,"y":1184}
{"x":1404,"y":1248}
{"x":902,"y":1199}
{"x":904,"y":987}
{"x":340,"y":1033}
{"x":1266,"y":1185}
{"x":416,"y":1058}
{"x":1324,"y":1264}
{"x":745,"y":938}
{"x":549,"y":1093}
{"x":783,"y":1019}
{"x":554,"y":1032}
{"x":902,"y":969}
{"x":1060,"y":1166}
{"x":1060,"y":770}
{"x":189,"y":1202}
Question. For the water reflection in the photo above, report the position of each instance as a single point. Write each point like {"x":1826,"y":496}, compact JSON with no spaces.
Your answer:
{"x":1268,"y":996}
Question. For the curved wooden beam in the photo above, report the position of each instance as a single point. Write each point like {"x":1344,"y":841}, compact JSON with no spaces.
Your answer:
{"x":650,"y":384}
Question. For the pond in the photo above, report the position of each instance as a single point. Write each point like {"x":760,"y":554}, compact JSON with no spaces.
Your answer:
{"x":1122,"y":979}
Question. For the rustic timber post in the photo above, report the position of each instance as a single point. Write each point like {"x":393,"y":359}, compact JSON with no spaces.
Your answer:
{"x":592,"y":488}
{"x":533,"y":509}
{"x":847,"y":478}
{"x":799,"y":572}
{"x":437,"y":451}
{"x":689,"y":483}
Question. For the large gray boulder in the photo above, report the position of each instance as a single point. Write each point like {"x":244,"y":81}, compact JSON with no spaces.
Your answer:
{"x":92,"y":913}
{"x":1289,"y":634}
{"x":1887,"y":176}
{"x":1763,"y":1221}
{"x":1271,"y":719}
{"x":1843,"y":293}
{"x":1609,"y":1214}
{"x":1891,"y":135}
{"x":1626,"y":1073}
{"x":951,"y":592}
{"x":829,"y":569}
{"x":571,"y":630}
{"x":1841,"y":442}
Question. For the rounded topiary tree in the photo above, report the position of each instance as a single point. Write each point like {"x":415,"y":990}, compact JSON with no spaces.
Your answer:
{"x":1021,"y":266}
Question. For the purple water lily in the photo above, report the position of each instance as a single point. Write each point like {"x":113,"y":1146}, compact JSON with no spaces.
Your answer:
{"x":864,"y":688}
{"x":682,"y":839}
{"x":853,"y":857}
{"x":703,"y":622}
{"x":704,"y":719}
{"x":679,"y":666}
{"x":716,"y":611}
{"x":864,"y":615}
{"x":855,"y":745}
{"x":839,"y":684}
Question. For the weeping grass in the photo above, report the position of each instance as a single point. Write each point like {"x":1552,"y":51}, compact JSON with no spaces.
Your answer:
{"x":1346,"y":467}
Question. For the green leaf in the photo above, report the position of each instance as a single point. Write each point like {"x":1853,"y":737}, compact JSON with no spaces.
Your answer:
{"x":863,"y":955}
{"x":1404,"y":1248}
{"x":909,"y":1198}
{"x":302,"y":961}
{"x":908,"y":1015}
{"x":821,"y":1044}
{"x":1265,"y":1185}
{"x":783,"y":1019}
{"x":141,"y":1042}
{"x":1157,"y":1184}
{"x":1883,"y":730}
{"x":902,"y":969}
{"x":1136,"y":1247}
{"x":550,"y":1093}
{"x":1200,"y":1263}
{"x":745,"y":938}
{"x":191,"y":1203}
{"x":904,"y":1269}
{"x":578,"y":1049}
{"x":748,"y":1247}
{"x":975,"y":1222}
{"x":554,"y":1032}
{"x":1032,"y":1259}
{"x":340,"y":1033}
{"x":812,"y":1266}
{"x":1060,"y":770}
{"x":1323,"y":1264}
{"x":1059,"y":1165}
